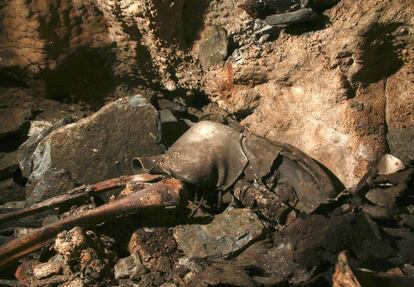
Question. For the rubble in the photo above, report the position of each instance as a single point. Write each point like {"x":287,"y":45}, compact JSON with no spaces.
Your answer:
{"x":228,"y":233}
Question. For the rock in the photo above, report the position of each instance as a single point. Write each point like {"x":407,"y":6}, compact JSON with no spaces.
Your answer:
{"x":54,"y":266}
{"x":223,"y":275}
{"x":84,"y":252}
{"x":8,"y":164}
{"x":214,"y":49}
{"x":130,"y":267}
{"x":380,"y":213}
{"x":151,"y":279}
{"x":100,"y":146}
{"x":14,"y":121}
{"x":228,"y":233}
{"x":52,"y":182}
{"x":11,"y":191}
{"x":386,"y":197}
{"x":407,"y":220}
{"x":400,"y":141}
{"x":389,"y":164}
{"x":26,"y":150}
{"x":299,"y":16}
{"x":155,"y":247}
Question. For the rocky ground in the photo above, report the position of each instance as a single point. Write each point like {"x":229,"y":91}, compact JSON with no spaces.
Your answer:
{"x":86,"y":86}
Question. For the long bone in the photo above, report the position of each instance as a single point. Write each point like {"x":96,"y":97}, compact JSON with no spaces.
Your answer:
{"x":165,"y":193}
{"x":77,"y":194}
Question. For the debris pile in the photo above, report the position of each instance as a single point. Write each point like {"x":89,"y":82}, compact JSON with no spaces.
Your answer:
{"x":220,"y":207}
{"x":206,"y":143}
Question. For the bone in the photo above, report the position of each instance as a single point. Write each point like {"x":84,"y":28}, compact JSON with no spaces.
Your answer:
{"x":165,"y":193}
{"x":78,"y":194}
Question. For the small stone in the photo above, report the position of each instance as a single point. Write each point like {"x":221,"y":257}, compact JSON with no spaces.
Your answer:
{"x":167,"y":116}
{"x":130,"y":267}
{"x":299,"y":16}
{"x":228,"y":233}
{"x":214,"y":48}
{"x":386,"y":197}
{"x":53,"y":266}
{"x":263,"y":38}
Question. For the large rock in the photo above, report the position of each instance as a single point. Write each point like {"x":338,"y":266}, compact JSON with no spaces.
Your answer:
{"x":341,"y":92}
{"x":98,"y":147}
{"x":228,"y":233}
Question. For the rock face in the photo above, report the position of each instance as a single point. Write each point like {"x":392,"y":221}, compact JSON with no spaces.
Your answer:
{"x":339,"y":92}
{"x":98,"y":147}
{"x":228,"y":233}
{"x":339,"y":87}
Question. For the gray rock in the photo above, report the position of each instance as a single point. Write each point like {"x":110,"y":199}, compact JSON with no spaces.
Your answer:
{"x":386,"y":197}
{"x":130,"y":267}
{"x":228,"y":233}
{"x":11,"y":191}
{"x":100,"y":146}
{"x":299,"y":16}
{"x":26,"y":150}
{"x":14,"y":120}
{"x":8,"y":164}
{"x":401,"y":143}
{"x":214,"y":49}
{"x":52,"y":182}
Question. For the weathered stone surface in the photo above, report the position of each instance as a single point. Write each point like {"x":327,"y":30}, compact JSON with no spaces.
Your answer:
{"x":8,"y":164}
{"x":299,"y":16}
{"x":338,"y":107}
{"x":52,"y":182}
{"x":26,"y":150}
{"x":228,"y":233}
{"x":400,"y":141}
{"x":11,"y":191}
{"x":130,"y":267}
{"x":214,"y":49}
{"x":100,"y":146}
{"x":386,"y":197}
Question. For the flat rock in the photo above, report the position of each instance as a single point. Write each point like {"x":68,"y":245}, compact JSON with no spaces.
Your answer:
{"x":214,"y":49}
{"x":11,"y":191}
{"x":299,"y":16}
{"x":8,"y":164}
{"x":386,"y":197}
{"x":228,"y":233}
{"x":102,"y":145}
{"x":130,"y":267}
{"x":26,"y":150}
